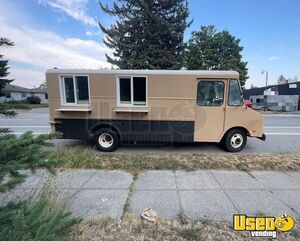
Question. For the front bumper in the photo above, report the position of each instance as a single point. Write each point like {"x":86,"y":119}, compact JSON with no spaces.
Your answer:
{"x":56,"y":126}
{"x":263,"y":137}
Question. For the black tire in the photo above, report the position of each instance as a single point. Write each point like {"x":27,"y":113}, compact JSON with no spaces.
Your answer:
{"x":106,"y":140}
{"x":235,"y":140}
{"x":221,"y":144}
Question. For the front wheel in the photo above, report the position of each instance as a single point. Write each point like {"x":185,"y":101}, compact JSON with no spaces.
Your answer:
{"x":235,"y":140}
{"x":107,"y":140}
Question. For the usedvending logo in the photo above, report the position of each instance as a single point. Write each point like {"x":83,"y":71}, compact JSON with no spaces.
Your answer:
{"x":263,"y":226}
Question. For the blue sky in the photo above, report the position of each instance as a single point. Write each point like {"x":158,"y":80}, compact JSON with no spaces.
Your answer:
{"x":64,"y":33}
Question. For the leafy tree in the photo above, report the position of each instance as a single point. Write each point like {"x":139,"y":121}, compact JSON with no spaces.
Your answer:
{"x":283,"y":80}
{"x":211,"y":50}
{"x":148,"y":34}
{"x":4,"y":42}
{"x":43,"y":86}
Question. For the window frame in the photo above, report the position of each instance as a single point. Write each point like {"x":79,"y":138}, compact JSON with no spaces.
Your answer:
{"x":62,"y":90}
{"x":119,"y":104}
{"x":209,"y":81}
{"x":242,"y":102}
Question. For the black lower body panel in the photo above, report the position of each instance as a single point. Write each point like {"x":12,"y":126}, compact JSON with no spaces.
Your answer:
{"x":131,"y":130}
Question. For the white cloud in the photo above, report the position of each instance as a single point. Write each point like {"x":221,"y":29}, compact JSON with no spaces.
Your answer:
{"x":273,"y":58}
{"x":47,"y":49}
{"x":94,"y":33}
{"x":89,"y":33}
{"x":74,"y":8}
{"x":26,"y":78}
{"x":44,"y":50}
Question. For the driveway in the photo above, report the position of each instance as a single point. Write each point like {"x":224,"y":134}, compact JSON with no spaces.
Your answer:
{"x":213,"y":194}
{"x":283,"y":135}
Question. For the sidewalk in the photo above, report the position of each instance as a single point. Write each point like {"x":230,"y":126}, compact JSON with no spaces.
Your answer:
{"x":214,"y":195}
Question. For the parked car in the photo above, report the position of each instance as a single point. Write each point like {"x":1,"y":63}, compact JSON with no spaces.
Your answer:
{"x":34,"y":100}
{"x":248,"y":103}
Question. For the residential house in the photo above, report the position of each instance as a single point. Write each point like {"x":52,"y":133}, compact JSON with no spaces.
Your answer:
{"x":18,"y":93}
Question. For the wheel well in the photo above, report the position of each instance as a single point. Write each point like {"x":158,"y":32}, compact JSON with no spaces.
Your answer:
{"x":107,"y":126}
{"x":237,"y":127}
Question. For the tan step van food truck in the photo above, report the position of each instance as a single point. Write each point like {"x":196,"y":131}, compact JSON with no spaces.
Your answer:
{"x":151,"y":106}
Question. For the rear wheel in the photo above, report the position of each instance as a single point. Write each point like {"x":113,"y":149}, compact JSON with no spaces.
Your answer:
{"x":107,"y":140}
{"x":235,"y":140}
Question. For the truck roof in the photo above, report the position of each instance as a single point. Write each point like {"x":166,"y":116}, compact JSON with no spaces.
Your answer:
{"x":206,"y":73}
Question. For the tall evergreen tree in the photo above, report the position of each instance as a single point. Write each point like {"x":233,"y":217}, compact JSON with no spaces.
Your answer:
{"x":7,"y":109}
{"x":148,"y":33}
{"x":282,"y":79}
{"x":211,"y":50}
{"x":4,"y":42}
{"x":24,"y":152}
{"x":36,"y":220}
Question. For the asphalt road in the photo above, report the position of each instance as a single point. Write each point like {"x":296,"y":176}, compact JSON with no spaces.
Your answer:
{"x":282,"y":130}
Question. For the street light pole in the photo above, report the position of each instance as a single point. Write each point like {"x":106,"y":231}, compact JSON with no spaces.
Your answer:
{"x":267,"y":76}
{"x":265,"y":97}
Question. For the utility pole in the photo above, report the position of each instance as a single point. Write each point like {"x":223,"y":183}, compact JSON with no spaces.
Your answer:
{"x":265,"y":97}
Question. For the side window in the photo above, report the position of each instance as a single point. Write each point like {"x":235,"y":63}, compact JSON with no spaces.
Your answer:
{"x":82,"y":88}
{"x":75,"y":90}
{"x":139,"y":91}
{"x":132,"y":91}
{"x":125,"y":90}
{"x":210,"y":93}
{"x":69,"y":90}
{"x":234,"y":94}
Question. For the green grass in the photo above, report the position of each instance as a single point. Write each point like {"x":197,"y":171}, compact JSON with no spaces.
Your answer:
{"x":131,"y":227}
{"x":24,"y":105}
{"x":191,"y":234}
{"x":39,"y":106}
{"x":130,"y":193}
{"x":17,"y":105}
{"x":87,"y":157}
{"x":12,"y":108}
{"x":295,"y":233}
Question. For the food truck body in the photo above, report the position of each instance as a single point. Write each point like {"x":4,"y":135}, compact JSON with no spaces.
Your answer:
{"x":151,"y":106}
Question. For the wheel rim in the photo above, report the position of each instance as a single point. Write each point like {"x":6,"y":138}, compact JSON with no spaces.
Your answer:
{"x":236,"y":140}
{"x":106,"y":140}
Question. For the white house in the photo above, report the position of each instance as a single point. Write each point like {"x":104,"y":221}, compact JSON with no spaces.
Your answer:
{"x":18,"y":93}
